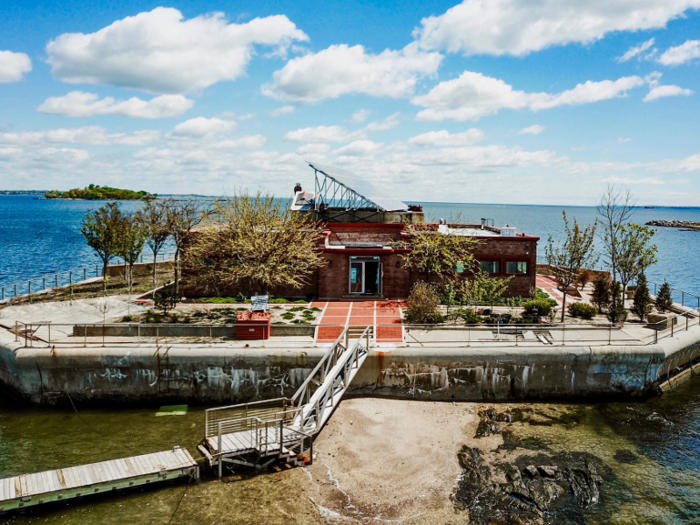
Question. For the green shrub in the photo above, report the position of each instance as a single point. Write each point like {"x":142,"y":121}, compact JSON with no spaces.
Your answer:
{"x":127,"y":318}
{"x":601,"y":294}
{"x":315,"y":309}
{"x":582,"y":310}
{"x":278,"y":300}
{"x":642,"y":299}
{"x":616,"y":309}
{"x":301,"y":301}
{"x":296,"y":309}
{"x":423,"y":304}
{"x":287,"y":315}
{"x":219,"y":300}
{"x":435,"y":319}
{"x":469,"y":316}
{"x":664,"y":301}
{"x":300,"y":321}
{"x":540,"y":307}
{"x":187,"y":319}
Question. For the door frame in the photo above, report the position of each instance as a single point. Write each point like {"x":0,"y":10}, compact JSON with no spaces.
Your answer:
{"x":355,"y":259}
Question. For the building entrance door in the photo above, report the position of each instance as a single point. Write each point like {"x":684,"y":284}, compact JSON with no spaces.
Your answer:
{"x":366,"y":275}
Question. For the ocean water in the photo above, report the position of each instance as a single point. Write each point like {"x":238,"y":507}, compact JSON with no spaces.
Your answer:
{"x":40,"y":237}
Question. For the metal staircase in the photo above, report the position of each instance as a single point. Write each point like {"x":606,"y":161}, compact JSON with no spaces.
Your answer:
{"x":258,"y":434}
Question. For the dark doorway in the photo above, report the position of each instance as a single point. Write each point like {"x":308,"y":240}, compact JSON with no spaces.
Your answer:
{"x":372,"y":278}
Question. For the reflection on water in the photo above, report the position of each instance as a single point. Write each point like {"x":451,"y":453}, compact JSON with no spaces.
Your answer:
{"x":651,"y":450}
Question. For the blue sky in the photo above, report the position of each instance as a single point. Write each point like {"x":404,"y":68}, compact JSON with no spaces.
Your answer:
{"x":506,"y":101}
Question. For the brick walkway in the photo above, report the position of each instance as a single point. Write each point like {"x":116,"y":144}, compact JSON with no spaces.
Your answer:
{"x":338,"y":315}
{"x":549,"y":285}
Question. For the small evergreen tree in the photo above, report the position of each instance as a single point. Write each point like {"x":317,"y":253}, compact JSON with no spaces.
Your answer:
{"x":664,"y":301}
{"x":601,"y":294}
{"x":616,"y":310}
{"x":642,"y":299}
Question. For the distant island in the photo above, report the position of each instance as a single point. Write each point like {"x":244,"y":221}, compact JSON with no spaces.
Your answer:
{"x":686,"y":225}
{"x":94,"y":192}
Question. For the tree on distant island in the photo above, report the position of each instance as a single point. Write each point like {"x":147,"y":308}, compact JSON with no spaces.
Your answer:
{"x":568,"y":258}
{"x":96,"y":192}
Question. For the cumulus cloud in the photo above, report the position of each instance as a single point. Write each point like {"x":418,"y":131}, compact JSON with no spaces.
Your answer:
{"x":623,"y":140}
{"x":13,"y":66}
{"x":90,"y":135}
{"x":284,"y":110}
{"x":80,"y":104}
{"x":388,"y":123}
{"x":474,"y":95}
{"x":666,"y":91}
{"x":358,"y":148}
{"x":202,"y":127}
{"x":161,"y":52}
{"x":341,"y":70}
{"x":519,"y":27}
{"x":323,"y":134}
{"x":535,"y":129}
{"x":313,"y":149}
{"x":686,"y":52}
{"x":243,"y":142}
{"x":636,"y":51}
{"x":445,"y":138}
{"x":360,"y":115}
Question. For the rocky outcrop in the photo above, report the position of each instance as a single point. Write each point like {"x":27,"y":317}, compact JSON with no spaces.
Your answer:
{"x":675,"y":224}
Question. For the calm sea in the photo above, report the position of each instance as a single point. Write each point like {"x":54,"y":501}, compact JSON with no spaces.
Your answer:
{"x":38,"y":237}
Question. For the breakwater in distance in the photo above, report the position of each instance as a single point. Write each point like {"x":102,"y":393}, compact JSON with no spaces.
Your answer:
{"x":688,"y":225}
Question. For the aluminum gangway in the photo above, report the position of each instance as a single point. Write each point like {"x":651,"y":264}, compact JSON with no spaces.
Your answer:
{"x":260,"y":433}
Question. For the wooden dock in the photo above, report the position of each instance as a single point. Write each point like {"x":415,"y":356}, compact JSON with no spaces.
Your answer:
{"x":73,"y":482}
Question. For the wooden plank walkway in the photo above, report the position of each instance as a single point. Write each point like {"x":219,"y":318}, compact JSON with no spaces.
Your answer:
{"x":244,"y":441}
{"x":54,"y":485}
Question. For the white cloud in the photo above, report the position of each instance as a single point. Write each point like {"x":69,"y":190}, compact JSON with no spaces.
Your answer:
{"x":636,"y":51}
{"x":80,"y":104}
{"x":244,"y":142}
{"x":445,"y":138}
{"x":313,"y":149}
{"x":666,"y":91}
{"x":323,"y":134}
{"x":13,"y":66}
{"x":518,"y":27}
{"x":473,"y":95}
{"x":360,"y":115}
{"x":202,"y":127}
{"x":535,"y":129}
{"x":359,"y":148}
{"x":388,"y":123}
{"x":91,"y":135}
{"x":284,"y":110}
{"x":160,"y":52}
{"x":623,"y":140}
{"x":686,"y":52}
{"x":341,"y":70}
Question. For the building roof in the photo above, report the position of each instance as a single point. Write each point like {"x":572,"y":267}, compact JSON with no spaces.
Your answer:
{"x":358,"y":192}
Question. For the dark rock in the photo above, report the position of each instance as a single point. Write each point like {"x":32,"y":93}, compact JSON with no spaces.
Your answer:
{"x":512,"y":473}
{"x":625,"y":456}
{"x":531,"y":470}
{"x":487,"y":428}
{"x":504,"y":417}
{"x":548,"y":471}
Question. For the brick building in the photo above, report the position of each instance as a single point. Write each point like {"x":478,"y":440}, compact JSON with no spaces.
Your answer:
{"x":360,"y":243}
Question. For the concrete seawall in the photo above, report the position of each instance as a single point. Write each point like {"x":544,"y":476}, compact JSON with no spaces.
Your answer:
{"x":222,"y":374}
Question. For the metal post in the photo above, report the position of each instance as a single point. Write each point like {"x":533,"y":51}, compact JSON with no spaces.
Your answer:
{"x":686,"y":323}
{"x":85,"y":336}
{"x":43,"y":283}
{"x":516,"y":335}
{"x":219,"y":448}
{"x":56,"y":288}
{"x":15,"y":290}
{"x":49,"y":334}
{"x":682,"y":298}
{"x":3,"y":293}
{"x":29,"y":288}
{"x":563,"y":335}
{"x":16,"y":332}
{"x":672,"y":323}
{"x":96,"y":270}
{"x":84,"y":274}
{"x":610,"y":334}
{"x":656,"y":333}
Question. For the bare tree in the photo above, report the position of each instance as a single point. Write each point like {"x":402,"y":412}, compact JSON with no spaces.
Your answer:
{"x":154,"y":218}
{"x":255,"y":242}
{"x":569,"y":258}
{"x":132,"y":237}
{"x":615,"y":208}
{"x":183,"y":216}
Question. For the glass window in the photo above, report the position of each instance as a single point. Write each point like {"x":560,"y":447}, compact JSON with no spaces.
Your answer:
{"x":516,"y":266}
{"x":489,"y":266}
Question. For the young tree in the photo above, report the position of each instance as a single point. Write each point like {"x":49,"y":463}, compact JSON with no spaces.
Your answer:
{"x":101,"y":229}
{"x":132,"y":237}
{"x":601,"y":294}
{"x":634,"y":253}
{"x":422,"y":304}
{"x":642,"y":299}
{"x":569,"y":258}
{"x":616,"y":309}
{"x":615,"y":208}
{"x":436,"y":253}
{"x":492,"y":288}
{"x":182,"y":217}
{"x":664,"y":301}
{"x":257,"y":242}
{"x":154,"y":218}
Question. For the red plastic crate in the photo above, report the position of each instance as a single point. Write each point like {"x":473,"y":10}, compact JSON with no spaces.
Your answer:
{"x":252,"y":325}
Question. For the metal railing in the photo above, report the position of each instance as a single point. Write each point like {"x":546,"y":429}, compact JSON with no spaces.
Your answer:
{"x":677,"y":293}
{"x":63,"y":279}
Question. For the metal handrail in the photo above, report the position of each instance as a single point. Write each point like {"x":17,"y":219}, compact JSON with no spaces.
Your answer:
{"x":682,"y":292}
